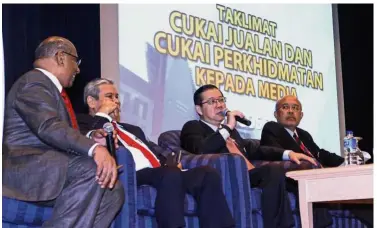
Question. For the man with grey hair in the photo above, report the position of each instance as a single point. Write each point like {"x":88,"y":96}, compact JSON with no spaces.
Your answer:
{"x":46,"y":160}
{"x":286,"y":135}
{"x":155,"y":168}
{"x":109,"y":106}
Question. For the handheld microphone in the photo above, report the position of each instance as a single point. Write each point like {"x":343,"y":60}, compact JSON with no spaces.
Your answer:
{"x":239,"y":119}
{"x":109,"y":128}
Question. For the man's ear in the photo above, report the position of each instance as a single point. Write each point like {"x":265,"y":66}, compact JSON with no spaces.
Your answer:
{"x":198,"y":109}
{"x":60,"y":58}
{"x":92,"y":102}
{"x":301,"y":115}
{"x":276,"y":115}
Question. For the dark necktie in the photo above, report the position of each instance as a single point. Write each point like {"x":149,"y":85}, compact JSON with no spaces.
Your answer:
{"x":68,"y":105}
{"x":302,"y":146}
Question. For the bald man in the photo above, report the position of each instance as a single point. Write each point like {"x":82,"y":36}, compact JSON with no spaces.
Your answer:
{"x":45,"y":158}
{"x":286,"y":135}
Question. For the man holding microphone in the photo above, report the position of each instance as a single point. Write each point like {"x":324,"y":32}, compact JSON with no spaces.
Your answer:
{"x":210,"y":135}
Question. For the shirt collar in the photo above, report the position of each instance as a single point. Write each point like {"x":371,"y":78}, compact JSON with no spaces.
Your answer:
{"x":291,"y":132}
{"x":52,"y":77}
{"x":213,"y":127}
{"x":104,"y":115}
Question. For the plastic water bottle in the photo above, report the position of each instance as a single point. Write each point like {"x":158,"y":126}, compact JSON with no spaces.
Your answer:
{"x":352,"y":153}
{"x":349,"y":148}
{"x":359,"y":154}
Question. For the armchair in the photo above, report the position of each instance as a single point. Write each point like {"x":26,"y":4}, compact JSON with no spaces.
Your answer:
{"x":233,"y":171}
{"x":20,"y":214}
{"x":170,"y":140}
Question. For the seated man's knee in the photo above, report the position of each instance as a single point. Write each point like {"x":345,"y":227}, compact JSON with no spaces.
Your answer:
{"x":117,"y":194}
{"x":84,"y":167}
{"x":276,"y":171}
{"x":171,"y":175}
{"x":211,"y":175}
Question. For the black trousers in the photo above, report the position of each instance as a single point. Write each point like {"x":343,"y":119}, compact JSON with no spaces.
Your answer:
{"x":203,"y":183}
{"x":83,"y":203}
{"x":276,"y":209}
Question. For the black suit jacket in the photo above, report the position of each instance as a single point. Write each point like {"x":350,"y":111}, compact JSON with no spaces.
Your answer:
{"x":198,"y":138}
{"x":88,"y":123}
{"x":38,"y":140}
{"x":274,"y":134}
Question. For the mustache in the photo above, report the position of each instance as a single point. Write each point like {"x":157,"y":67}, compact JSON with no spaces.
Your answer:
{"x":290,"y":117}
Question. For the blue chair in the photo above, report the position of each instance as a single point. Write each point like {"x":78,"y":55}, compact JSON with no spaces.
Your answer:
{"x":233,"y":171}
{"x":20,"y":214}
{"x":171,"y":141}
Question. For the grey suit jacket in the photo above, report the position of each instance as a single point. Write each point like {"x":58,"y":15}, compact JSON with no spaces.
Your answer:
{"x":38,"y":140}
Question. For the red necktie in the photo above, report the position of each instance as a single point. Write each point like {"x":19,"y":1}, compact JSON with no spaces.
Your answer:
{"x":68,"y":105}
{"x":133,"y":143}
{"x":301,"y":144}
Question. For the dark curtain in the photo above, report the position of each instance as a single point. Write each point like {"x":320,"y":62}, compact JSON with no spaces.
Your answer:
{"x":26,"y":25}
{"x":356,"y":43}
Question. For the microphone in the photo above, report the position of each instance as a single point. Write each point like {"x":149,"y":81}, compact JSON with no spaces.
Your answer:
{"x":109,"y":128}
{"x":238,"y":119}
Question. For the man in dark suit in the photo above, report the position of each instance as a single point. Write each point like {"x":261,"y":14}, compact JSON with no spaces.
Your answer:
{"x":209,"y":135}
{"x":46,"y":160}
{"x":286,"y":135}
{"x":153,"y":168}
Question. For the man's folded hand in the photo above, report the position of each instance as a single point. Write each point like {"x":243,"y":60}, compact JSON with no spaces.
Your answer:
{"x":107,"y":171}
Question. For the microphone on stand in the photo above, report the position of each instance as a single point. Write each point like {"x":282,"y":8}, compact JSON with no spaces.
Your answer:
{"x":238,"y":119}
{"x":110,"y":144}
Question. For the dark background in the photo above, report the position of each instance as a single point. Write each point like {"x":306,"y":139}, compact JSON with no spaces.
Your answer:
{"x":26,"y":25}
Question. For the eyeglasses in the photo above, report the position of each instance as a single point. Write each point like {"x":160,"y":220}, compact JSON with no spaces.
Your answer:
{"x":287,"y":107}
{"x":212,"y":101}
{"x":78,"y":61}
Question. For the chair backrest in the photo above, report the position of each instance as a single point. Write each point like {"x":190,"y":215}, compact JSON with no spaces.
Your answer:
{"x":254,"y":144}
{"x":171,"y":141}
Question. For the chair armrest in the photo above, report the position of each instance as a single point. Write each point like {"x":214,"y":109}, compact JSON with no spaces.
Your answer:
{"x":287,"y":165}
{"x":127,"y":176}
{"x":235,"y":181}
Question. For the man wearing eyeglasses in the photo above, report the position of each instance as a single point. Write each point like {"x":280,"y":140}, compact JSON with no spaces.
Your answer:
{"x":210,"y":135}
{"x":154,"y":167}
{"x":46,"y":160}
{"x":286,"y":135}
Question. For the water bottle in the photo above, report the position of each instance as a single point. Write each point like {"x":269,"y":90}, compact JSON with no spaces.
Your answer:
{"x":352,"y":153}
{"x":349,"y":149}
{"x":359,"y":154}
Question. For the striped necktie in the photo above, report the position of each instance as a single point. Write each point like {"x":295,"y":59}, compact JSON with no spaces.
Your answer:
{"x":302,"y":146}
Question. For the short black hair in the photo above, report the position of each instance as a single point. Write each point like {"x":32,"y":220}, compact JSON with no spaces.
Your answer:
{"x":198,"y":93}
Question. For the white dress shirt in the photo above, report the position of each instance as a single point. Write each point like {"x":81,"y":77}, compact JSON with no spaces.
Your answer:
{"x":56,"y":82}
{"x":141,"y":162}
{"x":225,"y":134}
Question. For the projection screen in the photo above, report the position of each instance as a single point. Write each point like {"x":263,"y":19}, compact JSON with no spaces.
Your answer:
{"x":158,"y":55}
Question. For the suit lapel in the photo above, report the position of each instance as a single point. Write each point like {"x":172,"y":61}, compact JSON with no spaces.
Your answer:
{"x":207,"y":129}
{"x":305,"y":140}
{"x":234,"y":135}
{"x":62,"y":107}
{"x":292,"y":144}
